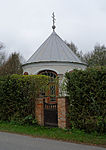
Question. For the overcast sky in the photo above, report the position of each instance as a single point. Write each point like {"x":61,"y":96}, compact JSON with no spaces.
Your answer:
{"x":25,"y":24}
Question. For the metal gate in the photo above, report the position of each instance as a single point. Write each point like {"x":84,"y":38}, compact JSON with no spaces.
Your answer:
{"x":50,"y":115}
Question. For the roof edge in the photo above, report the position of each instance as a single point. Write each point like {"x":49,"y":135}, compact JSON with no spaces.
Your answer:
{"x":55,"y":62}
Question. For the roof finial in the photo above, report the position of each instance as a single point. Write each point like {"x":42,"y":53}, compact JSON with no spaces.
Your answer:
{"x":53,"y":16}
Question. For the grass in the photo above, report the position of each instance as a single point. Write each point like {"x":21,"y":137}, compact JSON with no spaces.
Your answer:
{"x":76,"y":136}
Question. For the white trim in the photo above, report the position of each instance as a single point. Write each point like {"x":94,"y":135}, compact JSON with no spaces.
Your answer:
{"x":53,"y":64}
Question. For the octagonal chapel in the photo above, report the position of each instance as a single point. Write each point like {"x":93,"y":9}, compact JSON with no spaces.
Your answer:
{"x":53,"y":58}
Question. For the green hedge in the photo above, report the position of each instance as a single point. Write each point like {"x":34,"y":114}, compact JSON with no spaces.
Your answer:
{"x":87,"y":97}
{"x":17,"y":97}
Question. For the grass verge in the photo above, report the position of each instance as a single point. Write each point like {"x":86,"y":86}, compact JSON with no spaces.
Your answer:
{"x":76,"y":136}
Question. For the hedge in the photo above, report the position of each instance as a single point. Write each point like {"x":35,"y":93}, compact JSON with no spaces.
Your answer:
{"x":87,"y":98}
{"x":17,"y":97}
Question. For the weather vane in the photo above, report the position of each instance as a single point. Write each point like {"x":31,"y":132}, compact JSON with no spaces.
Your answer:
{"x":53,"y":16}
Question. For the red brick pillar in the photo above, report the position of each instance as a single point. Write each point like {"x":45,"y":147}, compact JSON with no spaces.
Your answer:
{"x":39,"y":111}
{"x":62,"y":112}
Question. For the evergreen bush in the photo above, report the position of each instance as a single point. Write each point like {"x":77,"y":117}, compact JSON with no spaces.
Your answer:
{"x":17,"y":97}
{"x":87,"y":97}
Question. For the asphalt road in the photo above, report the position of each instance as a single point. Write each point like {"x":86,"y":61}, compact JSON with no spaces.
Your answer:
{"x":10,"y":141}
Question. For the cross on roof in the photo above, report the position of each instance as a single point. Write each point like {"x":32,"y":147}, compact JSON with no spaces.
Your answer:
{"x":53,"y":16}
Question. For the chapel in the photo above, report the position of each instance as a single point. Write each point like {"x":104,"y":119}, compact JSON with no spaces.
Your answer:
{"x":53,"y":58}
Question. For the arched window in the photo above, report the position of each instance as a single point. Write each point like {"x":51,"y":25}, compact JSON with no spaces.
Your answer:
{"x":25,"y":73}
{"x":49,"y":73}
{"x":53,"y":90}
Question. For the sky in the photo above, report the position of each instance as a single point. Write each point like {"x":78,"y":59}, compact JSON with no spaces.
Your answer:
{"x":26,"y":24}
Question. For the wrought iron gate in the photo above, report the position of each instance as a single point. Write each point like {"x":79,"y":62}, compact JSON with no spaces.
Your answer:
{"x":50,"y":115}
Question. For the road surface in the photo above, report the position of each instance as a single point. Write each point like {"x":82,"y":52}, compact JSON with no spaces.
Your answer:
{"x":10,"y":141}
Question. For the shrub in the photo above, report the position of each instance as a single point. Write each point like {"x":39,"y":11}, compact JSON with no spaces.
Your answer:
{"x":17,"y":97}
{"x":87,"y":97}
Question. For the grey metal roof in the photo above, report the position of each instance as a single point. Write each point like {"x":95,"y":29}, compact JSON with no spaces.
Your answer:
{"x":54,"y":49}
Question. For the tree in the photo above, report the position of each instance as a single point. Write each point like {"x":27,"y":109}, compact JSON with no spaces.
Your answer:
{"x":2,"y":54}
{"x":12,"y":65}
{"x":2,"y":58}
{"x":1,"y":45}
{"x":97,"y":57}
{"x":74,"y":48}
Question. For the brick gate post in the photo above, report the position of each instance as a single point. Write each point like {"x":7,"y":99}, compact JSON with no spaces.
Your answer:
{"x":62,"y":112}
{"x":39,"y":111}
